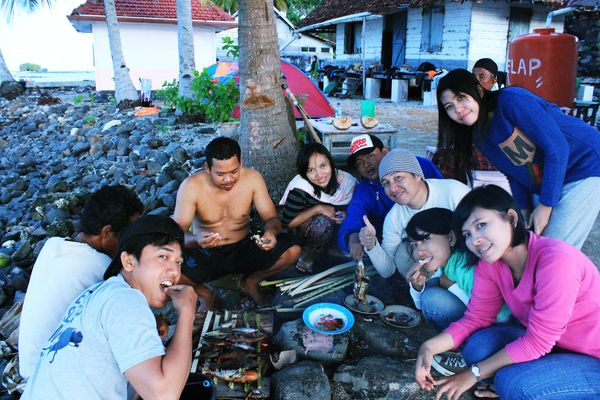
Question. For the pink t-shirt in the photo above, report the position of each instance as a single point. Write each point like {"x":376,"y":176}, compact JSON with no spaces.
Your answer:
{"x":557,"y":300}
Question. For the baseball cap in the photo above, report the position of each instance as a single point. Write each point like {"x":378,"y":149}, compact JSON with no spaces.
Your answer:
{"x":363,"y":144}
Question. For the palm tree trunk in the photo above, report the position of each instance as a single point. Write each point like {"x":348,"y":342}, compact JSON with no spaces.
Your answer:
{"x":5,"y":74}
{"x":124,"y":89}
{"x":185,"y":42}
{"x":266,"y":137}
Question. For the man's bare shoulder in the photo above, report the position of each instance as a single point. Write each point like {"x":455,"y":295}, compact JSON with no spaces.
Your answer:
{"x":252,"y":174}
{"x":194,"y":182}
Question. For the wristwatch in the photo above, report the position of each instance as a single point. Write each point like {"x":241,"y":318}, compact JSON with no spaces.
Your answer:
{"x":476,"y":372}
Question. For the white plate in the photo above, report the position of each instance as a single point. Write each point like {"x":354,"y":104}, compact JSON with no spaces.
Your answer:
{"x":373,"y":306}
{"x":405,"y":317}
{"x":319,"y":312}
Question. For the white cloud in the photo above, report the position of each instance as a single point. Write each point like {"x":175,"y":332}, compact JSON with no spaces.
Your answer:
{"x":47,"y":38}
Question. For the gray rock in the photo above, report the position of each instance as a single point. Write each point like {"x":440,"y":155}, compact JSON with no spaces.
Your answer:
{"x":305,"y":380}
{"x":79,"y":148}
{"x":26,"y":162}
{"x":19,"y":185}
{"x":59,"y":108}
{"x":378,"y":378}
{"x":329,"y":349}
{"x":384,"y":339}
{"x":90,"y":179}
{"x":23,"y":250}
{"x":169,"y":200}
{"x":55,"y":214}
{"x":10,"y":90}
{"x":61,"y":228}
{"x":28,"y":128}
{"x":169,"y":188}
{"x":38,"y":247}
{"x":160,"y":211}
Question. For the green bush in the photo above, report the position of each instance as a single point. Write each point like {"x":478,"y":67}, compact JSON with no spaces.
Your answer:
{"x":213,"y":100}
{"x":78,"y":99}
{"x":168,"y":94}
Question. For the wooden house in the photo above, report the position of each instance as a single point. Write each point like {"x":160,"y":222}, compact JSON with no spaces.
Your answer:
{"x":449,"y":34}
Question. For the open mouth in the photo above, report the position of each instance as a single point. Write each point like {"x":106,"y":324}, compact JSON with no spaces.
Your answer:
{"x":483,"y":251}
{"x":425,"y":260}
{"x":166,"y":284}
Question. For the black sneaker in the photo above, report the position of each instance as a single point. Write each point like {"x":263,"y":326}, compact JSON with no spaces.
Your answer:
{"x":448,"y":363}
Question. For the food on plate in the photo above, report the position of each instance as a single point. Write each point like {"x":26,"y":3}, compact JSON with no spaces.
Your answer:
{"x":398,"y":318}
{"x":327,"y":322}
{"x":369,"y":122}
{"x":342,"y":123}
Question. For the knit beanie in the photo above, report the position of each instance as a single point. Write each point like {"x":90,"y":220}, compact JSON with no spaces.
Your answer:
{"x":488,"y":64}
{"x":400,"y":160}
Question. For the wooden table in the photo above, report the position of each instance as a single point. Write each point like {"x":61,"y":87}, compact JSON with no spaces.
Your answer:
{"x":338,"y":142}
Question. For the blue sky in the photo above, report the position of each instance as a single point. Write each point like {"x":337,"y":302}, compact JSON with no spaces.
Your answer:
{"x":48,"y":39}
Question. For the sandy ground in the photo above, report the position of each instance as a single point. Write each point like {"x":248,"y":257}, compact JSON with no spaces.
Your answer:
{"x":417,"y":129}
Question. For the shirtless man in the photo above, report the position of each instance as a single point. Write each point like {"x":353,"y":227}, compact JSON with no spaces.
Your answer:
{"x":217,"y":203}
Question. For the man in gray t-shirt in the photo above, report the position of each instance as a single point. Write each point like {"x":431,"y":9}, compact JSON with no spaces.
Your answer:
{"x":108,"y":334}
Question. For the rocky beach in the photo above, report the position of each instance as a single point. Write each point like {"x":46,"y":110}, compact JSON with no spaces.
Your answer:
{"x":52,"y":156}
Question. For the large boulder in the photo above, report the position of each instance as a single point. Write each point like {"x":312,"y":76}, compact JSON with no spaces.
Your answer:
{"x":305,"y":380}
{"x":10,"y":90}
{"x":328,"y":349}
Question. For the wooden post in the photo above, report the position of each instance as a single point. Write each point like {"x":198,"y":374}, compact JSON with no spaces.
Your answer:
{"x":362,"y":44}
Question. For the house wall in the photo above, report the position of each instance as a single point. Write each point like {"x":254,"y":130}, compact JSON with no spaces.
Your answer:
{"x":455,"y":45}
{"x":489,"y":30}
{"x":150,"y":51}
{"x":373,"y":35}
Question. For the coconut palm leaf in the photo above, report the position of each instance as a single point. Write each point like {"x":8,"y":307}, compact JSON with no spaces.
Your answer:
{"x":8,"y":7}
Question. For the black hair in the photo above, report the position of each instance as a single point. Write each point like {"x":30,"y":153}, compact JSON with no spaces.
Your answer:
{"x":222,"y":148}
{"x":131,"y":242}
{"x":488,"y":197}
{"x":488,"y":64}
{"x":110,"y":205}
{"x":434,"y":220}
{"x":454,"y":139}
{"x":302,"y":166}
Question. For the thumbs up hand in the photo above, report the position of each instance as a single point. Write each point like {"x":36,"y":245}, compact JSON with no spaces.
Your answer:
{"x":368,"y":235}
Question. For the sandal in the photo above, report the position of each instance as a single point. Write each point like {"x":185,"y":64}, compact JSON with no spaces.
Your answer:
{"x":485,"y":391}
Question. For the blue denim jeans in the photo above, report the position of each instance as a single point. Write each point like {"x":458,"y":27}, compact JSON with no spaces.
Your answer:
{"x":440,"y":307}
{"x":575,"y":214}
{"x":555,"y":376}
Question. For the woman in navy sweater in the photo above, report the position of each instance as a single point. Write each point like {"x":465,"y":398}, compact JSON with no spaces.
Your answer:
{"x":552,"y":160}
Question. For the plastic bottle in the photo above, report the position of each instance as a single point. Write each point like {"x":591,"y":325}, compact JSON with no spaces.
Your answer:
{"x":338,"y":109}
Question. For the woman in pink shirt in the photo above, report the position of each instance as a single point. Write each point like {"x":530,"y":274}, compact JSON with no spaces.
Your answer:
{"x":552,"y":350}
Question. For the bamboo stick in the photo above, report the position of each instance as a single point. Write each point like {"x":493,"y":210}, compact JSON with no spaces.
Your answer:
{"x":322,"y":294}
{"x":323,"y":274}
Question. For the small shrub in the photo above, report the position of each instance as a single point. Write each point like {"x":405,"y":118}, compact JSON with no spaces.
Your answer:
{"x":89,"y":119}
{"x":78,"y":99}
{"x":168,"y":94}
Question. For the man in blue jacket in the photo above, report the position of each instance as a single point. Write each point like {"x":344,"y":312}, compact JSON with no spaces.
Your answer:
{"x":369,"y":198}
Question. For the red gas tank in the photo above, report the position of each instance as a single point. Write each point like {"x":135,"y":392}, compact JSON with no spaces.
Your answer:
{"x":545,"y":62}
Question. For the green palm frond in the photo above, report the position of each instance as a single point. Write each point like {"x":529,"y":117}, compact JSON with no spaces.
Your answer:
{"x":8,"y":7}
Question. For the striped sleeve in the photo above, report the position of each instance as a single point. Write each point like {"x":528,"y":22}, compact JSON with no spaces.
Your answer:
{"x":297,"y":201}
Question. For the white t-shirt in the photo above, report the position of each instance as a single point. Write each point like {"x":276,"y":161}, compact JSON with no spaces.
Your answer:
{"x":392,"y":254}
{"x":61,"y":272}
{"x":106,"y":330}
